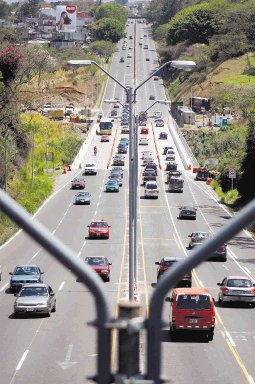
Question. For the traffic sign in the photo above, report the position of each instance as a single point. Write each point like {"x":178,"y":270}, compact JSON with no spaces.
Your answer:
{"x":232,"y":173}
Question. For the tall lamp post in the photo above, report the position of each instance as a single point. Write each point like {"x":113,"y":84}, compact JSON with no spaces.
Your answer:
{"x":133,"y":177}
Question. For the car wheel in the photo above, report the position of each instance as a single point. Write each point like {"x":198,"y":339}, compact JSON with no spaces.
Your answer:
{"x":49,"y":313}
{"x":252,"y":304}
{"x":54,"y":308}
{"x":210,"y":336}
{"x":174,"y":334}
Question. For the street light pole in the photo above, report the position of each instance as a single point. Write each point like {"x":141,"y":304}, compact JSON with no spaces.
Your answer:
{"x":33,"y":155}
{"x":133,"y":157}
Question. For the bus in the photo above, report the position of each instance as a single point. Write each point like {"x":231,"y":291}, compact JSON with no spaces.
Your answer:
{"x":105,"y":126}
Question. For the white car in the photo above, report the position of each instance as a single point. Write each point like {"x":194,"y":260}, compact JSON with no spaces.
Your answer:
{"x":143,"y":141}
{"x":129,"y":55}
{"x":148,"y":160}
{"x":151,"y":190}
{"x":90,"y":169}
{"x":157,"y":114}
{"x":146,"y":153}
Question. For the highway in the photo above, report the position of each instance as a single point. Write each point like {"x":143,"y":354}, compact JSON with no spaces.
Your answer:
{"x":62,"y":348}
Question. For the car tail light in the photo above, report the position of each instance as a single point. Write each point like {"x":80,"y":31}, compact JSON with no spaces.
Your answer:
{"x":213,"y":318}
{"x":173,"y":319}
{"x":164,"y":268}
{"x":225,"y":290}
{"x":253,"y":290}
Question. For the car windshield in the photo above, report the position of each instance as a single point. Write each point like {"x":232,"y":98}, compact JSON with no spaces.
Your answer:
{"x":175,"y":181}
{"x":151,"y":186}
{"x":193,"y":302}
{"x":33,"y":291}
{"x":82,"y":194}
{"x":112,"y":183}
{"x":239,"y":283}
{"x":26,"y":271}
{"x":90,"y":165}
{"x":200,"y":235}
{"x":96,"y":260}
{"x":99,"y":224}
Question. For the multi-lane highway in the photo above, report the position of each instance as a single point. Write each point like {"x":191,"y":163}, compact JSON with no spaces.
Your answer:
{"x":62,"y":348}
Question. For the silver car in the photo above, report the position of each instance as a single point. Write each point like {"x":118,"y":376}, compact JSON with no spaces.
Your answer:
{"x":237,"y":289}
{"x":82,"y":198}
{"x":35,"y":299}
{"x":197,"y":238}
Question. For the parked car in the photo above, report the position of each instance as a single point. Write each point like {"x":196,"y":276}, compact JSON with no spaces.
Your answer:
{"x":151,"y":190}
{"x":34,"y":299}
{"x":167,"y":262}
{"x":99,"y":228}
{"x":24,"y":274}
{"x":100,"y":265}
{"x":78,"y":183}
{"x":193,"y":311}
{"x":197,"y":238}
{"x":236,"y":289}
{"x":90,"y":169}
{"x":112,"y":186}
{"x":82,"y":198}
{"x":187,"y":212}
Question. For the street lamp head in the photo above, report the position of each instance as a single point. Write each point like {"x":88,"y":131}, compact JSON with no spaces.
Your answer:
{"x":185,"y":65}
{"x":80,"y":63}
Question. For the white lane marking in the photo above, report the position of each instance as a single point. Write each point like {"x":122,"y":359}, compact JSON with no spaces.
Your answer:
{"x":61,"y":221}
{"x":247,"y":269}
{"x":200,"y":282}
{"x":97,"y":203}
{"x":53,"y":232}
{"x":61,"y":286}
{"x":251,"y":379}
{"x":224,"y":266}
{"x":95,"y":213}
{"x":22,"y":360}
{"x":70,"y":205}
{"x":65,"y":213}
{"x":230,"y":338}
{"x":3,"y":288}
{"x":36,"y":254}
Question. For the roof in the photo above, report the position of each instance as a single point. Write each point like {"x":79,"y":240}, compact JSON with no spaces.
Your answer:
{"x":191,"y":291}
{"x":34,"y":285}
{"x":172,"y":258}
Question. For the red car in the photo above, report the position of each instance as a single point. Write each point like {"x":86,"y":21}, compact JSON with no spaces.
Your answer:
{"x":101,"y":266}
{"x":99,"y":228}
{"x":144,"y":131}
{"x":78,"y":183}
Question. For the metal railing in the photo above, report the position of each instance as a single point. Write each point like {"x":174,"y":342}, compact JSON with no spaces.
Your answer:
{"x":129,"y":323}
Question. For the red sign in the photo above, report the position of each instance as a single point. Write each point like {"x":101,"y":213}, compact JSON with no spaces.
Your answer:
{"x":70,"y":8}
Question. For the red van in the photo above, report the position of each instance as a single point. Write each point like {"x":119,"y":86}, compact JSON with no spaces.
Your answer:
{"x":144,"y":131}
{"x":192,"y":309}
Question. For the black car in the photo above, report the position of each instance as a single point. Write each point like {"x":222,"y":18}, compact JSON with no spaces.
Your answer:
{"x":166,"y":149}
{"x":188,"y":212}
{"x":171,"y":166}
{"x":151,"y":97}
{"x":167,"y":262}
{"x":172,"y":173}
{"x":122,"y":60}
{"x":122,"y":148}
{"x":151,"y":166}
{"x":163,"y":136}
{"x":149,"y":175}
{"x":114,"y":113}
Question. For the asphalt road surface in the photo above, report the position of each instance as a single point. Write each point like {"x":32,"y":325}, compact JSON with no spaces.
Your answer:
{"x":62,"y":348}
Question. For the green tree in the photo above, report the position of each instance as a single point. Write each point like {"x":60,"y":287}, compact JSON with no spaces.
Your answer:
{"x":4,"y":9}
{"x":29,"y":8}
{"x":102,"y":48}
{"x":112,"y":11}
{"x":196,"y":24}
{"x":246,"y":186}
{"x":107,"y":29}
